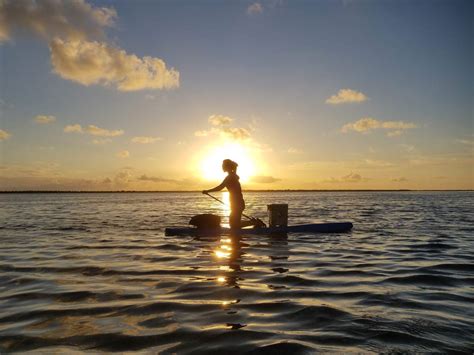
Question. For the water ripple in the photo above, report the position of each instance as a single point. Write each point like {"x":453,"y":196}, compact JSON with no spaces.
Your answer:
{"x":94,"y":272}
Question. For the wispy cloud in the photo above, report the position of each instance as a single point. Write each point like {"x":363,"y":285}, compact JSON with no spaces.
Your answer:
{"x":368,"y":124}
{"x":201,"y":133}
{"x":292,"y":150}
{"x":123,"y":154}
{"x":221,"y":127}
{"x":235,"y":133}
{"x":407,"y":147}
{"x":377,"y":163}
{"x":74,"y":128}
{"x":43,"y":119}
{"x":75,"y":32}
{"x":345,"y":96}
{"x":158,"y":179}
{"x":96,"y":131}
{"x":146,"y":140}
{"x":349,"y":178}
{"x":394,"y":133}
{"x":123,"y":177}
{"x":102,"y":141}
{"x":255,"y":9}
{"x":469,"y":142}
{"x":264,"y":179}
{"x":219,"y":120}
{"x":4,"y":135}
{"x":399,"y":179}
{"x":93,"y":130}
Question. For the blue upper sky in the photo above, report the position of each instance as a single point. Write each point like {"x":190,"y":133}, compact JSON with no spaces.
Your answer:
{"x":269,"y":67}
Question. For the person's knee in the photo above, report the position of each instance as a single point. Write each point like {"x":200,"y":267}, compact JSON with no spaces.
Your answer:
{"x":234,"y":221}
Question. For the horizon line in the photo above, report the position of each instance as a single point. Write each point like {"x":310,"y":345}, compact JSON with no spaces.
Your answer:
{"x":249,"y":190}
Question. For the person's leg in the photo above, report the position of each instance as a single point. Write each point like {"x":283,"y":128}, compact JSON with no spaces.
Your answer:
{"x":234,"y":219}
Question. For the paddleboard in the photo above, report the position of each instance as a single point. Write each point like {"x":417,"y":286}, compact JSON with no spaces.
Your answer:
{"x":301,"y":228}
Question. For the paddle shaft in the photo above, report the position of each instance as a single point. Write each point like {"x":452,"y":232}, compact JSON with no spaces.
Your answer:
{"x":215,"y":198}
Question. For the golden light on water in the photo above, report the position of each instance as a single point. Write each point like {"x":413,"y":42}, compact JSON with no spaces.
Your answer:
{"x":222,"y":254}
{"x":225,"y":248}
{"x":225,"y":209}
{"x":211,"y":162}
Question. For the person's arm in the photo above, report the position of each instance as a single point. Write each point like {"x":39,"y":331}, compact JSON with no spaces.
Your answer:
{"x":217,"y":188}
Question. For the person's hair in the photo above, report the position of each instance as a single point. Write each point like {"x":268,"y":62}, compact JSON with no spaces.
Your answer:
{"x":229,"y":165}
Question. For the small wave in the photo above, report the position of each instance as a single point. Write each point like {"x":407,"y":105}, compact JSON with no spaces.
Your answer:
{"x":427,"y":279}
{"x":342,"y":273}
{"x":283,"y":348}
{"x":96,"y":271}
{"x":77,"y":296}
{"x":54,"y":313}
{"x":319,"y":316}
{"x":291,"y":280}
{"x":469,"y":268}
{"x":72,"y":228}
{"x":394,"y":301}
{"x":436,"y":246}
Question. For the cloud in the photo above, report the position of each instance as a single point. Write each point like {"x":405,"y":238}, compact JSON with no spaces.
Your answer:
{"x":50,"y":183}
{"x":158,"y":179}
{"x":123,"y":154}
{"x":400,"y":179}
{"x":52,"y":18}
{"x":467,"y":142}
{"x":367,"y":124}
{"x":75,"y":32}
{"x":350,"y":178}
{"x":219,"y":120}
{"x":42,"y":119}
{"x":264,"y":179}
{"x":378,"y":163}
{"x":99,"y":63}
{"x":292,"y":150}
{"x":347,"y":96}
{"x":74,"y":128}
{"x":145,"y":140}
{"x":123,"y":177}
{"x":362,"y":125}
{"x":394,"y":133}
{"x":102,"y":141}
{"x":96,"y":131}
{"x":221,"y":127}
{"x":201,"y":133}
{"x":255,"y":9}
{"x":259,"y":147}
{"x":93,"y":130}
{"x":4,"y":135}
{"x":235,"y":133}
{"x":407,"y":147}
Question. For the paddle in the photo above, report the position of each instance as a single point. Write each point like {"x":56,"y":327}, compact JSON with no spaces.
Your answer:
{"x":243,"y":214}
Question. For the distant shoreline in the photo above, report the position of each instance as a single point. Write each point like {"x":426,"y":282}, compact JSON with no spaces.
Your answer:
{"x":199,"y":191}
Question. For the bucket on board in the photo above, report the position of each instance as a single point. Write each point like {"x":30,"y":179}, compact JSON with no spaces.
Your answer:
{"x":277,"y":215}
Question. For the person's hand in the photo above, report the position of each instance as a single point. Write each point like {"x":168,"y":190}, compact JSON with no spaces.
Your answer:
{"x":204,"y":192}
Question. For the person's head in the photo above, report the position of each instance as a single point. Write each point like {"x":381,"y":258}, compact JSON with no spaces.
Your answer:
{"x":229,"y":166}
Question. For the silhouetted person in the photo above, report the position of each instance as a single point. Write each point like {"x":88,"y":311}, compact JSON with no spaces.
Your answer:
{"x":237,"y":203}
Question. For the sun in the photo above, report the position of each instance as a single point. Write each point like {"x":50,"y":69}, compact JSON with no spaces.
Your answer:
{"x":211,"y":163}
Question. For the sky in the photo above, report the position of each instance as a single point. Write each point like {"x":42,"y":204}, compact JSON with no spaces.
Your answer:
{"x":152,"y":95}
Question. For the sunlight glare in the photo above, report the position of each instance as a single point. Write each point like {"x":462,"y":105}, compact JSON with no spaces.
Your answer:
{"x":211,"y":163}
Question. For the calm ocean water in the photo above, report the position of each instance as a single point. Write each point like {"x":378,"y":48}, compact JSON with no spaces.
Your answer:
{"x":94,"y":272}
